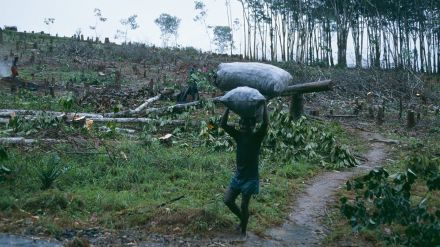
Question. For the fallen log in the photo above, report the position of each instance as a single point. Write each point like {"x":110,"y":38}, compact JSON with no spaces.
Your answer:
{"x":10,"y":112}
{"x":24,"y":141}
{"x":309,"y":87}
{"x":122,"y":120}
{"x":119,"y":130}
{"x":342,"y":116}
{"x":136,"y":111}
{"x":148,"y":102}
{"x":145,"y":121}
{"x":171,"y":109}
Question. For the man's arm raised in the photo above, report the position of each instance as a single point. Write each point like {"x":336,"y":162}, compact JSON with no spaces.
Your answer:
{"x":262,"y":131}
{"x":224,"y":124}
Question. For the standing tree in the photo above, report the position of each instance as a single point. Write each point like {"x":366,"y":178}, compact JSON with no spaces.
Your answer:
{"x":99,"y":18}
{"x":49,"y":22}
{"x":222,"y":38}
{"x":201,"y":17}
{"x":169,"y":26}
{"x":129,"y":24}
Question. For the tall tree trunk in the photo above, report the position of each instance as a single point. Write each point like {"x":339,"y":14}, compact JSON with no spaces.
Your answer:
{"x":429,"y":49}
{"x":415,"y":53}
{"x":438,"y":52}
{"x":422,"y":47}
{"x":244,"y":28}
{"x":355,"y":35}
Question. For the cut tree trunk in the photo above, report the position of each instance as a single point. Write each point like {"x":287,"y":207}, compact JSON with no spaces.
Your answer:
{"x":296,"y":106}
{"x":309,"y":87}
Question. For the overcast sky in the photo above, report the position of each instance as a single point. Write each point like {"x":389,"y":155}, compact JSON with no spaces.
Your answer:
{"x":71,"y":15}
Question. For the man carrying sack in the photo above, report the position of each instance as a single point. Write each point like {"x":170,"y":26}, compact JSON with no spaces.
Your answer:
{"x":246,"y":178}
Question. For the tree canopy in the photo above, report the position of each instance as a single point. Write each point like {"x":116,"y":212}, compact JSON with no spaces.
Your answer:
{"x":169,"y":26}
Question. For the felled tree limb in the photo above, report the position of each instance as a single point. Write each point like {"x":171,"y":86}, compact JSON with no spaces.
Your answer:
{"x":122,"y":120}
{"x":10,"y":112}
{"x":148,"y":102}
{"x":342,"y":116}
{"x":136,"y":111}
{"x":171,"y":109}
{"x":119,"y":130}
{"x":24,"y":141}
{"x":309,"y":87}
{"x":145,"y":121}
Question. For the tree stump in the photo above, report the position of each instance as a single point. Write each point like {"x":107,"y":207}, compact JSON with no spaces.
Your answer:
{"x":410,"y":119}
{"x":46,"y":86}
{"x":380,"y":115}
{"x":52,"y":91}
{"x":314,"y":112}
{"x":118,"y":79}
{"x":400,"y":107}
{"x":370,"y":112}
{"x":357,"y":107}
{"x":296,"y":106}
{"x":32,"y":59}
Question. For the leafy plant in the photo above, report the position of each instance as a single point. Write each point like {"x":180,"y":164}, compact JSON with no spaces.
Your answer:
{"x":381,"y":199}
{"x":214,"y":137}
{"x":289,"y":140}
{"x":423,"y":165}
{"x":3,"y":169}
{"x":49,"y":172}
{"x":25,"y":126}
{"x":202,"y":80}
{"x":147,"y":134}
{"x":67,"y":102}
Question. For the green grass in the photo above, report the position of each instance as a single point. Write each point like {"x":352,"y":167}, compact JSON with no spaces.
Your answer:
{"x":126,"y":193}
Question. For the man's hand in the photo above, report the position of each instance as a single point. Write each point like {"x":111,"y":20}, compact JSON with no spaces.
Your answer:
{"x":262,"y":131}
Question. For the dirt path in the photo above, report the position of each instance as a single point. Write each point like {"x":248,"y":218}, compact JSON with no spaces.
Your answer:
{"x":303,"y":227}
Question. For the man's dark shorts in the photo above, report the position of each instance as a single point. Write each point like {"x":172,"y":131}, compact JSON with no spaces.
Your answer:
{"x":245,"y":186}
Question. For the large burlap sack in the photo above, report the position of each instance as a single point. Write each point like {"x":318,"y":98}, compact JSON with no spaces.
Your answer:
{"x":266,"y":78}
{"x":245,"y":101}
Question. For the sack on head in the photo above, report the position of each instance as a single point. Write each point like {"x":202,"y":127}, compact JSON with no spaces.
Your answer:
{"x":245,"y":101}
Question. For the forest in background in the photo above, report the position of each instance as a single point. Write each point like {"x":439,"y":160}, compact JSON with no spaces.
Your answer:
{"x":384,"y":34}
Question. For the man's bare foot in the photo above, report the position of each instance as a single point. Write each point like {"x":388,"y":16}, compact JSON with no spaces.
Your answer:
{"x":241,"y":238}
